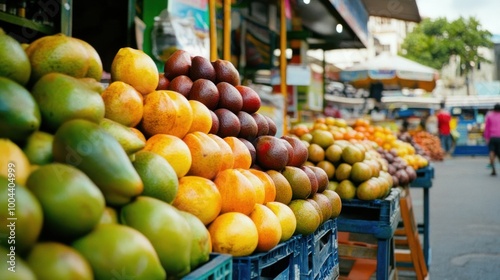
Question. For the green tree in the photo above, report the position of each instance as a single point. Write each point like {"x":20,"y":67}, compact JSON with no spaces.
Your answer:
{"x":433,"y":41}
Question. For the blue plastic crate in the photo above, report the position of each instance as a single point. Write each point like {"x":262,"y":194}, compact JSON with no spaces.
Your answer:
{"x":278,"y":264}
{"x":319,"y":253}
{"x":218,"y":267}
{"x":378,"y":217}
{"x":424,"y":177}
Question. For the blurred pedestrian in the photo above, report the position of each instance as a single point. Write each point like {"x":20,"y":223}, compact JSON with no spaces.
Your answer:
{"x":376,"y":89}
{"x":492,"y":135}
{"x":444,"y":131}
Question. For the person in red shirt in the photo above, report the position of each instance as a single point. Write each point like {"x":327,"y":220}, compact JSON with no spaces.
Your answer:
{"x":492,"y":135}
{"x":444,"y":118}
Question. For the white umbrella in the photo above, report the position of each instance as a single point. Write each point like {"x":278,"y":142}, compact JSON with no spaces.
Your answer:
{"x":393,"y":71}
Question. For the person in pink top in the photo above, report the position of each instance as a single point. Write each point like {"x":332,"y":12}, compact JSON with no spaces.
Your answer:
{"x":492,"y":135}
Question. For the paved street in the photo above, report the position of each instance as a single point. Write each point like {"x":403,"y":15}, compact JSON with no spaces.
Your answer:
{"x":465,"y":220}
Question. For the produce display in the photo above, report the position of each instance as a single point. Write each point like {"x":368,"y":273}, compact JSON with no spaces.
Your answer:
{"x":428,"y":144}
{"x":363,"y":161}
{"x":354,"y":167}
{"x":144,"y":177}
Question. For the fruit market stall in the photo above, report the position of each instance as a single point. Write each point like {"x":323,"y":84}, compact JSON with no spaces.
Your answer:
{"x":174,"y":172}
{"x":149,"y":157}
{"x":468,"y":118}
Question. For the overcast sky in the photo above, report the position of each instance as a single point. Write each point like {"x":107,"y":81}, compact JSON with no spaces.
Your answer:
{"x":486,"y":11}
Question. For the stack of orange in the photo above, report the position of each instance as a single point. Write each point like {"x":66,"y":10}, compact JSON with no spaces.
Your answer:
{"x":383,"y":136}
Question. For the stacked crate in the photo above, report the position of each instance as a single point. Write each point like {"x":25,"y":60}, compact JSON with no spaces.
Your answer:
{"x":378,"y":220}
{"x":218,"y":267}
{"x":319,"y":253}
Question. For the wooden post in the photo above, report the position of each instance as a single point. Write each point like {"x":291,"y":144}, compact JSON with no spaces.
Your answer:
{"x":226,"y":52}
{"x":213,"y":30}
{"x":283,"y":65}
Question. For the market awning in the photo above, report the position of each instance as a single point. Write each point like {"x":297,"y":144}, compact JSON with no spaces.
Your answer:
{"x":321,"y":18}
{"x":406,"y":10}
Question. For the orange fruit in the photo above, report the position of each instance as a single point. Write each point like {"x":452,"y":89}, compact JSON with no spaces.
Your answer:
{"x":237,"y":192}
{"x":233,"y":233}
{"x":268,"y":182}
{"x":337,"y":135}
{"x":359,"y":136}
{"x":166,"y":112}
{"x":123,"y":104}
{"x":268,"y":227}
{"x":320,"y":126}
{"x":320,"y":120}
{"x":360,"y":128}
{"x":200,"y":197}
{"x":257,"y":184}
{"x":135,"y":68}
{"x":205,"y":154}
{"x":227,"y":156}
{"x":283,"y":188}
{"x":242,"y":156}
{"x":287,"y":219}
{"x":202,"y":118}
{"x":173,"y":149}
{"x":300,"y":129}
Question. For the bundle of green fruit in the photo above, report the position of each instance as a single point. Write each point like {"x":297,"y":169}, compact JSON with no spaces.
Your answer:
{"x":354,"y":167}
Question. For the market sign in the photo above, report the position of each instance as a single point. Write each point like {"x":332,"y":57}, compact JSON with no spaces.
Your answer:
{"x":258,"y":45}
{"x":190,"y":20}
{"x":296,"y":75}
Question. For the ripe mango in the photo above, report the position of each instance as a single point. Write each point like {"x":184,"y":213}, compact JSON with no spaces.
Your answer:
{"x":15,"y":64}
{"x":55,"y":260}
{"x":166,"y":228}
{"x":119,"y":252}
{"x":60,"y":186}
{"x":88,"y":147}
{"x":200,"y":238}
{"x":61,"y":98}
{"x":127,"y":138}
{"x":22,"y":270}
{"x":28,"y":212}
{"x":19,"y":112}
